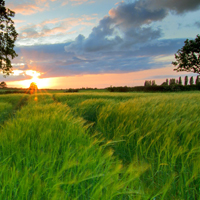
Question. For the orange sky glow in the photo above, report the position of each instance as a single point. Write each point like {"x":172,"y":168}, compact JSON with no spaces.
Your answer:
{"x":94,"y":81}
{"x":86,"y":43}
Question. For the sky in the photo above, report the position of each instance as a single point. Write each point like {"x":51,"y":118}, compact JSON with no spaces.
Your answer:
{"x":98,"y":43}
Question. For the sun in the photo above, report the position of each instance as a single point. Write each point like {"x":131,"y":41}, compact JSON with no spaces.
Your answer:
{"x":41,"y":83}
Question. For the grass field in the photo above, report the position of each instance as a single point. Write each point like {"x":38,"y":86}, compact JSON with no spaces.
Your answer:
{"x":100,"y":146}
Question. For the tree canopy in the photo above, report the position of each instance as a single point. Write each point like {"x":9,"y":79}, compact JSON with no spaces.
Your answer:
{"x":188,"y":57}
{"x":33,"y":86}
{"x":8,"y":36}
{"x":3,"y":84}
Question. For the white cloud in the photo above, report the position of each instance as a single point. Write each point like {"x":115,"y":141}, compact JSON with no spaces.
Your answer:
{"x":54,"y":27}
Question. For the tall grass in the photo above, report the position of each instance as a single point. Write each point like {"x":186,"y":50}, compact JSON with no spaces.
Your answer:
{"x":9,"y":104}
{"x":5,"y":109}
{"x":74,"y":98}
{"x":47,"y":153}
{"x":139,"y":146}
{"x":163,"y":132}
{"x":159,"y":129}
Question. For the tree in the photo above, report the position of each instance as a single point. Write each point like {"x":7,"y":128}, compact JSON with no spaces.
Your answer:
{"x":186,"y":80}
{"x":147,"y":83}
{"x":191,"y":80}
{"x":3,"y":84}
{"x":180,"y":81}
{"x":188,"y":57}
{"x":167,"y":81}
{"x":172,"y":81}
{"x":197,"y":80}
{"x":33,"y":87}
{"x":164,"y":84}
{"x":153,"y":83}
{"x":8,"y":36}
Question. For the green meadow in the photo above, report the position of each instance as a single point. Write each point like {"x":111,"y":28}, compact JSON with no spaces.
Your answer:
{"x":100,"y":146}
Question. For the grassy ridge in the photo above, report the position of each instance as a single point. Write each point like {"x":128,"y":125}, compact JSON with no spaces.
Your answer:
{"x":47,"y":153}
{"x":159,"y":129}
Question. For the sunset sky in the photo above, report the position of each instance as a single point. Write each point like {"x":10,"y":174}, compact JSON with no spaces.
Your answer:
{"x":98,"y":43}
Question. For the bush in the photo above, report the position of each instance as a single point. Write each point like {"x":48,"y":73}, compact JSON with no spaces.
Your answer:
{"x":72,"y":90}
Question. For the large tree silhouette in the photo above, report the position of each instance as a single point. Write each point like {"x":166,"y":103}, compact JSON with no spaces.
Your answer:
{"x":188,"y":57}
{"x":8,"y":36}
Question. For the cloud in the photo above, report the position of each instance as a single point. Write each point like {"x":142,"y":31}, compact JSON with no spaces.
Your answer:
{"x":129,"y":26}
{"x":125,"y":27}
{"x":53,"y":27}
{"x":53,"y":61}
{"x":25,"y":7}
{"x":179,"y":6}
{"x":123,"y":41}
{"x":30,"y":7}
{"x":135,"y":14}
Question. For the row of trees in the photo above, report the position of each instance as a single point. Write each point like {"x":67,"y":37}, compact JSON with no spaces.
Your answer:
{"x":174,"y":81}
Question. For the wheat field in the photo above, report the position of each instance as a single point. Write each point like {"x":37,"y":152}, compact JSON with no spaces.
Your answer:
{"x":100,"y":146}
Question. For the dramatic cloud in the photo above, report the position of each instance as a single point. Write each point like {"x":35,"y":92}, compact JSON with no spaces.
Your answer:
{"x":126,"y":26}
{"x":54,"y":61}
{"x":128,"y":29}
{"x":127,"y":40}
{"x":135,"y":14}
{"x":179,"y":6}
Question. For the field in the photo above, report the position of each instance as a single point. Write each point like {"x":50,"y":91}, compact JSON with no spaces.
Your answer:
{"x":100,"y":146}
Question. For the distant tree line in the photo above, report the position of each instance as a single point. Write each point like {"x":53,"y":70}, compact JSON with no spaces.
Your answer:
{"x":72,"y":90}
{"x":14,"y":92}
{"x":179,"y":81}
{"x":78,"y":89}
{"x":171,"y":85}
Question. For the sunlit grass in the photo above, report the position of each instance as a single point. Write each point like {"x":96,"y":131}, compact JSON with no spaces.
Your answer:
{"x":159,"y":129}
{"x":100,"y":146}
{"x":47,"y":153}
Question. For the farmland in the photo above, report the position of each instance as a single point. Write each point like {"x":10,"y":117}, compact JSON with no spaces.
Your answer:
{"x":100,"y":146}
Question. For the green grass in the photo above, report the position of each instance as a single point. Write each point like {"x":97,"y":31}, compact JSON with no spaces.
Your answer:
{"x":159,"y":129}
{"x":9,"y":104}
{"x":93,"y":91}
{"x":101,"y":146}
{"x":72,"y":99}
{"x":51,"y":91}
{"x":47,"y":153}
{"x":5,"y":109}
